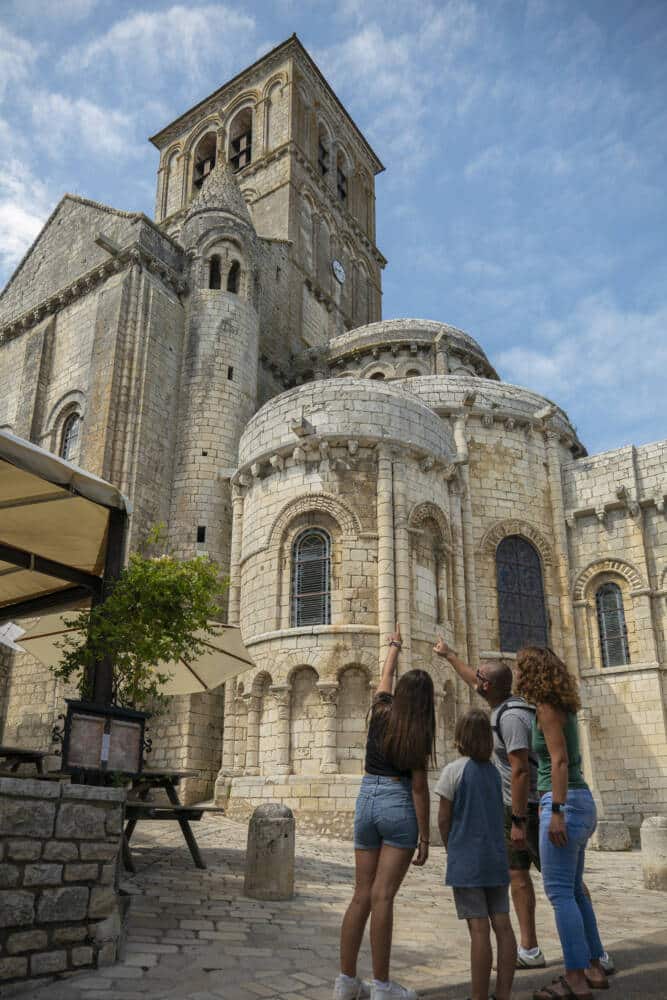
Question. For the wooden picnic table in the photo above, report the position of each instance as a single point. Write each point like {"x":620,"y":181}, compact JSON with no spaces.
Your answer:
{"x":137,"y":808}
{"x":13,"y":757}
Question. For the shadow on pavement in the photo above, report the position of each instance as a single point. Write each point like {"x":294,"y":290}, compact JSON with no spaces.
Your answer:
{"x":642,"y":972}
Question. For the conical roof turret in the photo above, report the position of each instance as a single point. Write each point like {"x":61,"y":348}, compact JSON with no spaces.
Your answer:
{"x":221,"y":193}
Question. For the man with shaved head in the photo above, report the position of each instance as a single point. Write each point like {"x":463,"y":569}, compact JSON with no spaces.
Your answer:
{"x":512,"y":720}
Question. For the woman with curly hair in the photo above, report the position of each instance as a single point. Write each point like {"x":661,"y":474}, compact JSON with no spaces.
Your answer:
{"x":567,"y":819}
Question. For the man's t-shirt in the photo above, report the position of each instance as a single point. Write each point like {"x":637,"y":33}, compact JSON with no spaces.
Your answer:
{"x":476,"y":854}
{"x":516,"y":725}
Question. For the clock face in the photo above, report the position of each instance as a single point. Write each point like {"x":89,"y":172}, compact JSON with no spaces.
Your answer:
{"x":338,"y":270}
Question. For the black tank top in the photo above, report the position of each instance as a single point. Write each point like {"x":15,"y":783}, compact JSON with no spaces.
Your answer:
{"x":376,"y":761}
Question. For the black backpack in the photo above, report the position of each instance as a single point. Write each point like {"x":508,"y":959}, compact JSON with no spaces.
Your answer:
{"x":517,"y":703}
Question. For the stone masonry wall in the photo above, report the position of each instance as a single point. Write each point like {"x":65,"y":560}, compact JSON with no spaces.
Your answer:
{"x":59,"y":847}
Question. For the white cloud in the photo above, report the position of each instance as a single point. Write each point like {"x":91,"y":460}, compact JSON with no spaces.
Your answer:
{"x":65,"y":125}
{"x":185,"y":39}
{"x":25,"y":204}
{"x":16,"y":58}
{"x":396,"y":70}
{"x":602,"y":360}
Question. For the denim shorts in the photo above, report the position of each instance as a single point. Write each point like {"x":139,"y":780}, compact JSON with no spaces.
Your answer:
{"x":385,"y":813}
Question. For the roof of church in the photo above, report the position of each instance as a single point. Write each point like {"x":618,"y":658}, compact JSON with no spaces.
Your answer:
{"x":220,"y":191}
{"x":292,"y":42}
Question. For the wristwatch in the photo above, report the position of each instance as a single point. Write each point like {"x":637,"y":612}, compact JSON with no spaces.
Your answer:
{"x":518,"y":820}
{"x":399,"y":645}
{"x":557,"y":807}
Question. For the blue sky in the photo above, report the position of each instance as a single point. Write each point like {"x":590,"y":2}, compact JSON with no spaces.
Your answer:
{"x":524,"y":197}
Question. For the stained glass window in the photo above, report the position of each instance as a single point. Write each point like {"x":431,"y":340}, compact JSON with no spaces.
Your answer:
{"x":611,"y":625}
{"x":311,"y":579}
{"x":522,"y":614}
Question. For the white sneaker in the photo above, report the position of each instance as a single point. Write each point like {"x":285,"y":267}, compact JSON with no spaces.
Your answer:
{"x":607,"y":964}
{"x":346,"y":988}
{"x":526,"y":960}
{"x":395,"y":992}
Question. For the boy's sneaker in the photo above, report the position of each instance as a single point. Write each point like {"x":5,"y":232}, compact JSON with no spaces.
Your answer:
{"x":607,"y":964}
{"x":394,"y":992}
{"x":349,"y":988}
{"x":532,"y":958}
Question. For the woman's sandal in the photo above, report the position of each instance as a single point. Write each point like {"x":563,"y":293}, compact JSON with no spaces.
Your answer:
{"x":546,"y":993}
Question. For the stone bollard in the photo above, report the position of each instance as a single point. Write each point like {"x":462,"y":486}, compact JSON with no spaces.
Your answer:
{"x":269,"y":866}
{"x":653,"y":835}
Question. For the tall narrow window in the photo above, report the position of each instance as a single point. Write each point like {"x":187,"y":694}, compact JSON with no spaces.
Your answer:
{"x":311,"y":579}
{"x":70,"y":436}
{"x":522,"y":616}
{"x":204,"y":159}
{"x":240,"y":140}
{"x":322,"y":157}
{"x":233,"y":277}
{"x":214,"y":278}
{"x":341,"y":184}
{"x":611,"y":625}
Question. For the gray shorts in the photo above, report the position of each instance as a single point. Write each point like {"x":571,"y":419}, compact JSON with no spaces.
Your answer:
{"x":474,"y":903}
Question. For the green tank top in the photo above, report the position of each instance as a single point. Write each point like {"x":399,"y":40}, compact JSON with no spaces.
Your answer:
{"x":575,"y":778}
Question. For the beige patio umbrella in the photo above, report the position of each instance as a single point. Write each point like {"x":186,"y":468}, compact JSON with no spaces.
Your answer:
{"x":224,"y":655}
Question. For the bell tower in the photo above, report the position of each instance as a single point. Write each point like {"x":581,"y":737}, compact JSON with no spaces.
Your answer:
{"x":308,"y":176}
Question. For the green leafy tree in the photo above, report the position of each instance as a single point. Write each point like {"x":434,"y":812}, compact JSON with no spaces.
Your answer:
{"x":157,"y":613}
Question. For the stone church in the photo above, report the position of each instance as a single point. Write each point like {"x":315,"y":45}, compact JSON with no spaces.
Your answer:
{"x":227,"y":367}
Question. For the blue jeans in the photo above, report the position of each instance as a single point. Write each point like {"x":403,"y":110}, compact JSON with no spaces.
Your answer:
{"x":385,"y":813}
{"x":563,"y":870}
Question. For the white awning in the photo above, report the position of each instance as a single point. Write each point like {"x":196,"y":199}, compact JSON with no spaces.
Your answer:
{"x":54,"y":524}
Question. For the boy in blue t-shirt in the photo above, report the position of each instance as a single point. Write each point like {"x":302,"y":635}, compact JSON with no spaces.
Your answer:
{"x":471,"y":822}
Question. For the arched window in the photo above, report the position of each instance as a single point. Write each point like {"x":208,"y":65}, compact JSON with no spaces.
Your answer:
{"x":204,"y":159}
{"x":70,"y":436}
{"x":378,"y":376}
{"x":522,"y":616}
{"x":233,"y":277}
{"x":240,"y":140}
{"x":611,"y":625}
{"x":214,"y":277}
{"x":311,"y":578}
{"x":412,"y":373}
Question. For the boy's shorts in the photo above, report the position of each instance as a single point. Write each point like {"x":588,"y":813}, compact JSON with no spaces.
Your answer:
{"x":531,"y":855}
{"x":472,"y":903}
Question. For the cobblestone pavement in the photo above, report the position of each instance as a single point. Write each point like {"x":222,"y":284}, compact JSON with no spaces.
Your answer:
{"x":193,"y":936}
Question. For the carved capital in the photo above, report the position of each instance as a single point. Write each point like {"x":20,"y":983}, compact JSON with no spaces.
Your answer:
{"x":328,"y":693}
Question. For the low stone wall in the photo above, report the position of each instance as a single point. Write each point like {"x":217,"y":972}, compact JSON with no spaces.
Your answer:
{"x":322,"y":804}
{"x":59,"y":904}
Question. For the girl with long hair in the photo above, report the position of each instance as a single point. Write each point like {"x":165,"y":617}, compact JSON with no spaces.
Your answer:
{"x":391,"y":822}
{"x":567,"y":819}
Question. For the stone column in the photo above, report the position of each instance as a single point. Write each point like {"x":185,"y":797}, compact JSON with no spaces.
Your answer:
{"x":472,"y":634}
{"x":227,"y":769}
{"x":229,"y":735}
{"x":235,"y":557}
{"x":403,"y":568}
{"x":561,"y":555}
{"x":239,"y":746}
{"x":386,"y":569}
{"x":329,"y":701}
{"x":641,"y":600}
{"x":281,"y":699}
{"x":252,"y":736}
{"x":186,"y":181}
